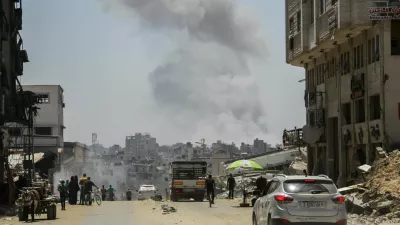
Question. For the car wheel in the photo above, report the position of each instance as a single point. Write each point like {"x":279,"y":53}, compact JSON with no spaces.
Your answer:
{"x":254,"y":219}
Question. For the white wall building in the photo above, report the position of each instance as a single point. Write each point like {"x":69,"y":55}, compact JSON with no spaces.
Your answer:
{"x":350,"y":62}
{"x":49,"y":124}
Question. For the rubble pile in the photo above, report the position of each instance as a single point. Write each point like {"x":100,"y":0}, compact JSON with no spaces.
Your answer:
{"x":384,"y":176}
{"x":379,"y":197}
{"x":297,"y":167}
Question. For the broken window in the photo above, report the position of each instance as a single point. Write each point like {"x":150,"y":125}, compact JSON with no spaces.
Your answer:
{"x":14,"y":131}
{"x":359,"y":111}
{"x":312,"y":11}
{"x":375,"y":107}
{"x":346,"y":111}
{"x":291,"y":25}
{"x":43,"y":98}
{"x":395,"y":37}
{"x":43,"y":130}
{"x":369,"y":52}
{"x":298,"y":21}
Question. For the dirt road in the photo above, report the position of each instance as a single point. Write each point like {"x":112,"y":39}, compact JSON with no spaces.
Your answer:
{"x":224,"y":212}
{"x":148,"y":212}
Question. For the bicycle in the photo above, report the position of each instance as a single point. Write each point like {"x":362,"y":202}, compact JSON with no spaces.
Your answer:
{"x":93,"y":196}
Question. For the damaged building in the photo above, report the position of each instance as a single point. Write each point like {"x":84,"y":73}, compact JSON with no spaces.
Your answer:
{"x":351,"y":88}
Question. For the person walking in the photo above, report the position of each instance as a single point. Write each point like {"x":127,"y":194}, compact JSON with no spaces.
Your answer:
{"x":82,"y":182}
{"x":63,"y":189}
{"x":103,"y":193}
{"x":73,"y":190}
{"x":231,"y":183}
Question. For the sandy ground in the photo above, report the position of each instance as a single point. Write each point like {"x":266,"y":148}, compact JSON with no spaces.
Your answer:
{"x":224,"y":212}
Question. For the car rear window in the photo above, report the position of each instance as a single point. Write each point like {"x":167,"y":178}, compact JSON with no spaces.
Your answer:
{"x":309,"y":186}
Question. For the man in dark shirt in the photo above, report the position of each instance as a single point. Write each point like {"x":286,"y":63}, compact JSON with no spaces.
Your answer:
{"x":210,"y":186}
{"x":231,"y":186}
{"x":89,"y":186}
{"x":261,"y":182}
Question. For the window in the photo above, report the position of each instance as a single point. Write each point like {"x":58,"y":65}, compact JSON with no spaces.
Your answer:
{"x":358,"y":57}
{"x":308,"y":186}
{"x":43,"y":130}
{"x":312,"y":11}
{"x":355,"y":58}
{"x":291,"y":25}
{"x":346,"y":112}
{"x":369,"y":51}
{"x":359,"y":111}
{"x":311,"y":118}
{"x":377,"y":48}
{"x":14,"y":131}
{"x":347,"y":62}
{"x":43,"y":98}
{"x":373,"y":50}
{"x":395,"y":37}
{"x":362,"y":56}
{"x":375,"y":107}
{"x":298,"y":21}
{"x":322,"y":6}
{"x":273,"y":187}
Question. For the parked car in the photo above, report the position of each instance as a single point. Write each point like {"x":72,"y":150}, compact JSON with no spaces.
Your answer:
{"x":147,"y":191}
{"x":300,"y":199}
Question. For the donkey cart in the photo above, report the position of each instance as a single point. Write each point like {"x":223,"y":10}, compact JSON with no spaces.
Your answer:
{"x":32,"y":202}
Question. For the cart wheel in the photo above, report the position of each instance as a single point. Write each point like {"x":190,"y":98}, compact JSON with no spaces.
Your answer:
{"x":55,"y":212}
{"x":50,"y":212}
{"x":22,"y":214}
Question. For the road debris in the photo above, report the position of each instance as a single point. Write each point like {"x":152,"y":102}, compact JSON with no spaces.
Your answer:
{"x":167,"y":209}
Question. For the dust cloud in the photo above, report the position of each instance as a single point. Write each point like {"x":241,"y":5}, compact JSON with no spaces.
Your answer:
{"x":206,"y":81}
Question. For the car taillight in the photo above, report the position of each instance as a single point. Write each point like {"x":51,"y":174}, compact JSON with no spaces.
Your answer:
{"x":283,"y":199}
{"x":309,"y":181}
{"x":339,"y":199}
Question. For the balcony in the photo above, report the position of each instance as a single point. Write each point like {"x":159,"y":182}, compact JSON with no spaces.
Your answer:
{"x":336,"y":25}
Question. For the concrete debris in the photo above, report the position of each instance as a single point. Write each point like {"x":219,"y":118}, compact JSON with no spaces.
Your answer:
{"x":381,"y":153}
{"x":167,"y":209}
{"x":365,"y":168}
{"x":378,"y":200}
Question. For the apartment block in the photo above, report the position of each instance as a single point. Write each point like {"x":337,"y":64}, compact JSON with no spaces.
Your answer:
{"x":140,"y":146}
{"x":48,"y":125}
{"x":350,"y":52}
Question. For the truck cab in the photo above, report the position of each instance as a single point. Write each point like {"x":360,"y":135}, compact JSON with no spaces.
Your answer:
{"x":188,"y":180}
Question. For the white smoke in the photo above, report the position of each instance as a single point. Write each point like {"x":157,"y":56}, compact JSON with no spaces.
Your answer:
{"x":207,"y":78}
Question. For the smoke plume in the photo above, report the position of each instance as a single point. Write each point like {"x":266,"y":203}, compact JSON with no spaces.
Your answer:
{"x":207,"y":78}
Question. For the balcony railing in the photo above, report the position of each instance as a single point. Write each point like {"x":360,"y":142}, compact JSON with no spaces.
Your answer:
{"x":327,"y":23}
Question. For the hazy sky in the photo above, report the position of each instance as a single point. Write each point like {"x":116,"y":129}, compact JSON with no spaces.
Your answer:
{"x":176,"y":71}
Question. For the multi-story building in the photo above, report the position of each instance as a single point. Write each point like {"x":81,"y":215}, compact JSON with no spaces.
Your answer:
{"x":48,"y":125}
{"x":350,"y":55}
{"x":75,"y":158}
{"x":140,"y":146}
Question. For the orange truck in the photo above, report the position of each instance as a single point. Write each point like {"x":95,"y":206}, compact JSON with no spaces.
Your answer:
{"x":188,"y":180}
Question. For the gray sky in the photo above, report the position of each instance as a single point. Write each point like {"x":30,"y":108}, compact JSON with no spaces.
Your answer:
{"x":182,"y":72}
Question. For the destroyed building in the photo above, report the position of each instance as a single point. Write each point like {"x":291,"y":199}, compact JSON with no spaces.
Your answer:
{"x":351,"y":82}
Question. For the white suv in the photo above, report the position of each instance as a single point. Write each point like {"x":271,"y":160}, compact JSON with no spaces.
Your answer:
{"x":146,"y":191}
{"x":300,"y":200}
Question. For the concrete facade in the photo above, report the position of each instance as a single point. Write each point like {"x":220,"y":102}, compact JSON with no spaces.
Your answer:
{"x":140,"y":146}
{"x":49,"y":123}
{"x":351,"y":98}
